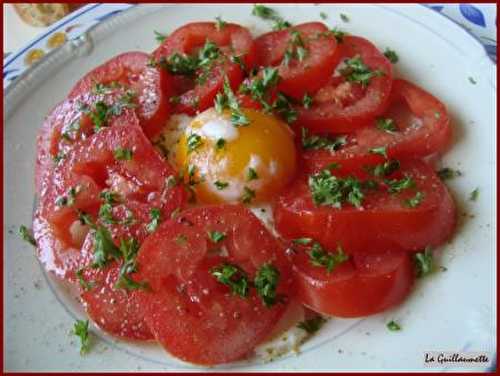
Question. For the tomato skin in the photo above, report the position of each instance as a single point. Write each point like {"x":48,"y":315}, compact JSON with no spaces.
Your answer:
{"x":299,"y":78}
{"x":195,"y":317}
{"x":408,"y":105}
{"x":328,"y":116}
{"x":385,"y":223}
{"x":132,"y":70}
{"x":232,"y":39}
{"x":363,"y":285}
{"x":90,"y":165}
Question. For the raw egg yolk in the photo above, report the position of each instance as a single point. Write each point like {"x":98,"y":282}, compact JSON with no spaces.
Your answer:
{"x":225,"y":163}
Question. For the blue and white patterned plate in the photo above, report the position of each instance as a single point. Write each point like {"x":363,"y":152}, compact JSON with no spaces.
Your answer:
{"x":451,"y":311}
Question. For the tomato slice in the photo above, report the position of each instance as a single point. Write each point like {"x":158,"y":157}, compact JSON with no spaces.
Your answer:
{"x":233,"y":41}
{"x":385,"y":221}
{"x":300,"y":75}
{"x":422,"y":128}
{"x":363,"y":285}
{"x":151,"y":86}
{"x":342,"y":106}
{"x":91,"y":167}
{"x":193,"y":315}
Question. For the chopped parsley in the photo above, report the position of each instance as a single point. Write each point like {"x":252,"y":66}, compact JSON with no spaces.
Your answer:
{"x":85,"y":219}
{"x":344,"y":17}
{"x":216,"y":236}
{"x":159,"y":36}
{"x":220,"y":24}
{"x":423,"y":262}
{"x":194,"y":141}
{"x":266,"y":282}
{"x":398,"y":185}
{"x":386,"y":168}
{"x":122,"y":154}
{"x":393,"y":326}
{"x":129,"y":249}
{"x":220,"y":185}
{"x":323,"y":15}
{"x":69,"y":198}
{"x":229,"y":100}
{"x":155,"y":216}
{"x":415,"y":200}
{"x":312,"y":325}
{"x":315,"y":142}
{"x":26,"y":235}
{"x":283,"y":107}
{"x":248,"y":195}
{"x":86,"y":286}
{"x":472,"y":81}
{"x":474,"y":194}
{"x":109,"y":197}
{"x":270,"y":14}
{"x":357,"y":71}
{"x":106,"y":214}
{"x":307,"y":101}
{"x":220,"y":143}
{"x":447,"y":173}
{"x":320,"y":257}
{"x":296,"y":48}
{"x":81,"y":329}
{"x":259,"y":87}
{"x":338,"y":34}
{"x":329,"y":190}
{"x":382,"y":150}
{"x":233,"y":277}
{"x":252,"y":174}
{"x":104,"y":248}
{"x":391,"y":55}
{"x":180,"y":64}
{"x":386,"y":125}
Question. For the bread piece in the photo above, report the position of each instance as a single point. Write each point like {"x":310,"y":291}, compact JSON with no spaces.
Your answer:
{"x":42,"y":15}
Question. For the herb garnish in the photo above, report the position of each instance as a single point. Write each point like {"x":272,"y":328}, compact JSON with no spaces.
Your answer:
{"x":267,"y":13}
{"x":398,"y":185}
{"x":423,"y":262}
{"x":391,"y":55}
{"x":266,"y":282}
{"x":220,"y":185}
{"x":357,"y":71}
{"x":327,"y":189}
{"x":81,"y":329}
{"x":393,"y":326}
{"x":129,"y":249}
{"x":252,"y":174}
{"x":86,"y":286}
{"x":159,"y":36}
{"x":220,"y":143}
{"x":26,"y":235}
{"x":315,"y":142}
{"x":232,"y":276}
{"x":386,"y":168}
{"x":248,"y":195}
{"x":155,"y":216}
{"x":320,"y":257}
{"x":415,"y":200}
{"x":474,"y":194}
{"x":386,"y":125}
{"x":216,"y":236}
{"x":219,"y":24}
{"x":447,"y":173}
{"x":229,"y":100}
{"x":104,"y":248}
{"x":194,"y":141}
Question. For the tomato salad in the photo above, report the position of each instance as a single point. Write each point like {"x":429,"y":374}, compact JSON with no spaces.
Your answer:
{"x":304,"y":125}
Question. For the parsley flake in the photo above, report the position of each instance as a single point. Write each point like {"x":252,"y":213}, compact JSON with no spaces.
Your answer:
{"x":393,"y":326}
{"x":216,"y":236}
{"x":159,"y":36}
{"x":474,"y":194}
{"x":266,"y":283}
{"x":129,"y":249}
{"x":252,"y":174}
{"x":386,"y":125}
{"x":424,"y":263}
{"x":329,"y":190}
{"x":315,"y":142}
{"x":122,"y":154}
{"x":447,"y":173}
{"x":26,"y":235}
{"x":398,"y":185}
{"x":81,"y":329}
{"x":415,"y":200}
{"x":320,"y":257}
{"x":233,"y":277}
{"x":155,"y":216}
{"x":391,"y":55}
{"x":194,"y":141}
{"x":104,"y":248}
{"x":382,"y":150}
{"x":357,"y":71}
{"x":248,"y":195}
{"x":220,"y":185}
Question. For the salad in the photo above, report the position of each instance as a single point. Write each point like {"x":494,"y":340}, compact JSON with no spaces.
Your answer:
{"x":226,"y":188}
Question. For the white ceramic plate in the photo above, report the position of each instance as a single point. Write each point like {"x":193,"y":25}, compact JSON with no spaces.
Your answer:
{"x":449,"y":311}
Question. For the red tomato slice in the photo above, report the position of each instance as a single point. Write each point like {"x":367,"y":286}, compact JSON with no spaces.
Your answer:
{"x":232,"y":39}
{"x":343,"y":106}
{"x":363,"y":285}
{"x":195,"y":317}
{"x":308,"y":75}
{"x":423,"y":129}
{"x":150,"y":84}
{"x":91,"y":167}
{"x":385,"y":221}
